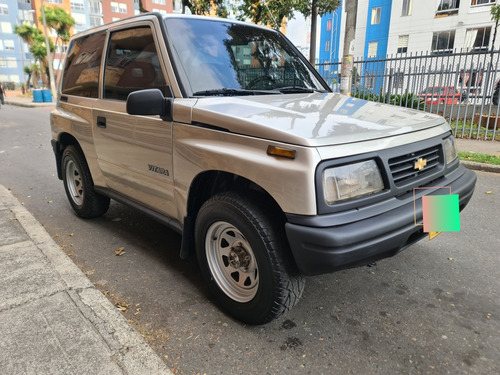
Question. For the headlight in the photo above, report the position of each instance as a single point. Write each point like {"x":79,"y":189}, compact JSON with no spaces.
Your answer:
{"x":351,"y":181}
{"x":450,"y":151}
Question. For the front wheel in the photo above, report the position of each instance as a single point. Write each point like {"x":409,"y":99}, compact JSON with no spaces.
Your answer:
{"x":79,"y":185}
{"x":245,"y":258}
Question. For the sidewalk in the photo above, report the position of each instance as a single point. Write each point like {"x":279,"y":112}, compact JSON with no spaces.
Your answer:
{"x":15,"y":98}
{"x":52,"y":318}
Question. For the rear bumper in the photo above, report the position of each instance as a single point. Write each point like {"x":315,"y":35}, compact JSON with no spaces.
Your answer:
{"x":327,"y":243}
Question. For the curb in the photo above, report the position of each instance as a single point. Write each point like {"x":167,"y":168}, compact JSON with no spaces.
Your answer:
{"x":30,"y":104}
{"x":132,"y":354}
{"x":481,"y":166}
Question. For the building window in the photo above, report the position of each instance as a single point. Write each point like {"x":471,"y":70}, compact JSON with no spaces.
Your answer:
{"x":54,"y":1}
{"x":327,"y":45}
{"x":407,"y":8}
{"x":376,"y":15}
{"x":482,"y":2}
{"x":95,"y":7}
{"x":161,"y":11}
{"x":443,"y":42}
{"x":95,"y":21}
{"x":61,"y":48}
{"x":80,"y":19}
{"x":6,"y":27}
{"x":123,"y":8}
{"x":77,"y":5}
{"x":398,"y":80}
{"x":161,"y":2}
{"x":447,"y":8}
{"x":328,"y":25}
{"x":403,"y":43}
{"x":11,"y":62}
{"x":114,"y":7}
{"x":8,"y":45}
{"x":372,"y":49}
{"x":3,"y":63}
{"x":25,"y":15}
{"x":477,"y":39}
{"x":4,"y":9}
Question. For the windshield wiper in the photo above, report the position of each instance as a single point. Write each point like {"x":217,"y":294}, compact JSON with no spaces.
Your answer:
{"x":297,"y":89}
{"x":233,"y":92}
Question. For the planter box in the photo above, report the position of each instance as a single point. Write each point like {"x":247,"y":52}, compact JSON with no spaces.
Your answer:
{"x":488,"y":121}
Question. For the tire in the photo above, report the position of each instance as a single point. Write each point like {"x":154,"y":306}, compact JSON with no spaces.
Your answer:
{"x":79,"y":185}
{"x":245,"y":259}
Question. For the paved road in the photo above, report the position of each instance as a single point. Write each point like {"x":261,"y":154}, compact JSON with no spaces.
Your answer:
{"x":432,"y":309}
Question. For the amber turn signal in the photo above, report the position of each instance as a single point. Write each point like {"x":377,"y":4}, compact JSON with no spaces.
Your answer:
{"x":280,"y":151}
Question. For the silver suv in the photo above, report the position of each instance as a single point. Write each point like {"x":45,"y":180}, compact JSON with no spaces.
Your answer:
{"x":224,"y":132}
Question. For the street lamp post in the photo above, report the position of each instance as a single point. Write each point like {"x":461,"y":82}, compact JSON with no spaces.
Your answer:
{"x":49,"y":57}
{"x":21,"y":49}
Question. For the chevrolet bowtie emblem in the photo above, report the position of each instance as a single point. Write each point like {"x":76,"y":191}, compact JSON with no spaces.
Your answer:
{"x":420,"y":164}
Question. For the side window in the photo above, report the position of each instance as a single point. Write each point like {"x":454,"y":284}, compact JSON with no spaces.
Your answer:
{"x":132,"y":64}
{"x":81,"y":72}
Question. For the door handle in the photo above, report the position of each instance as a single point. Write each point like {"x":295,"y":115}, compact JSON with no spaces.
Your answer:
{"x":101,"y":121}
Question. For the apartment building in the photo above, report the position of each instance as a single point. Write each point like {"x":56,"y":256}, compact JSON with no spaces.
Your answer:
{"x":409,"y":27}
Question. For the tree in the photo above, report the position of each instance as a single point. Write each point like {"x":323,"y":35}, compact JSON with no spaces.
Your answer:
{"x":495,"y":16}
{"x":61,"y":22}
{"x":205,"y":7}
{"x":274,"y":12}
{"x":34,"y":38}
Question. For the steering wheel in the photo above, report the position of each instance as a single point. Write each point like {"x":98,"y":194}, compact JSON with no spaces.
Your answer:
{"x":268,"y":80}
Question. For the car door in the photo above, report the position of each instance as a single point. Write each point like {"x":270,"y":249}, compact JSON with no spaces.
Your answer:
{"x":134,"y":152}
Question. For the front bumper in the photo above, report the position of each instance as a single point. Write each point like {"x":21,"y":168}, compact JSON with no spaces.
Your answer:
{"x":327,"y":243}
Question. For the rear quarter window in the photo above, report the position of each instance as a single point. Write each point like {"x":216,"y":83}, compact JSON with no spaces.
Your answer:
{"x":81,"y":72}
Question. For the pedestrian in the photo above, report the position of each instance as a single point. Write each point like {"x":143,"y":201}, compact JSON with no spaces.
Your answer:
{"x":2,"y":94}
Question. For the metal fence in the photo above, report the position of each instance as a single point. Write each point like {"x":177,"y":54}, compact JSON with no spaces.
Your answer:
{"x":461,"y":86}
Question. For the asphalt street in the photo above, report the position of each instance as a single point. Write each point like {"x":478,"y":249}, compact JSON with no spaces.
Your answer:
{"x":433,"y":309}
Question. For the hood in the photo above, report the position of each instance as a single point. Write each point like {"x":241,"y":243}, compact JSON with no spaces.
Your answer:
{"x":317,"y":119}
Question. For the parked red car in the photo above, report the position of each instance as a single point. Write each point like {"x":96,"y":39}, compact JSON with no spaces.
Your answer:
{"x":441,"y":95}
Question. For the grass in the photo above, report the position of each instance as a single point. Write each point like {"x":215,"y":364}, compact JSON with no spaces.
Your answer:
{"x":463,"y":130}
{"x":479,"y":158}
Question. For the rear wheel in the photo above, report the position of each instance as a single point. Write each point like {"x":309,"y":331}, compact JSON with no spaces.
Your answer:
{"x":79,"y":185}
{"x":245,"y":259}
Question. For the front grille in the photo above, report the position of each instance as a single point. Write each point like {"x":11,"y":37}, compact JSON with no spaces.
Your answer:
{"x":403,"y":169}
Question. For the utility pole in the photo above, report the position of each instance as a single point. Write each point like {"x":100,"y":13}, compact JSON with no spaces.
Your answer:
{"x":351,"y":8}
{"x":312,"y":47}
{"x":49,"y":57}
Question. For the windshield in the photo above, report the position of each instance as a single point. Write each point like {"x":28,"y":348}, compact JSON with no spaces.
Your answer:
{"x":224,"y":58}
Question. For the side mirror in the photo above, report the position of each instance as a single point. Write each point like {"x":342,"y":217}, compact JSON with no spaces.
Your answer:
{"x":149,"y":102}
